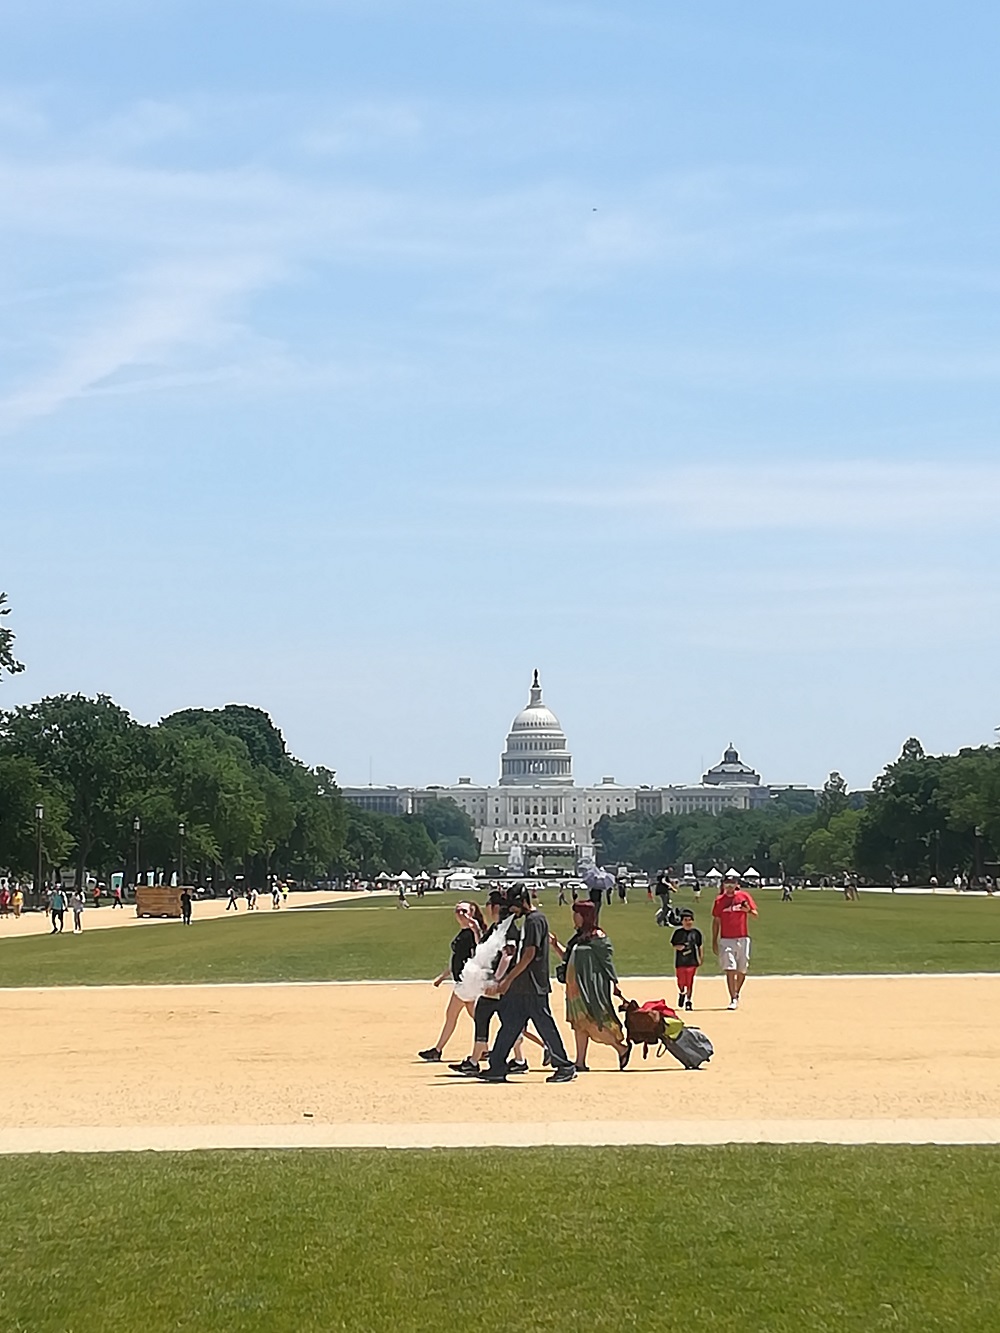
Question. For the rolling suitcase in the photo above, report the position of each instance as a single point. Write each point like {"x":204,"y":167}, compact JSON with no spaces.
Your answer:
{"x":691,"y":1047}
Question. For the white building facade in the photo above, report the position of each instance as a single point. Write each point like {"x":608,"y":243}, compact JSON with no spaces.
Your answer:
{"x":537,"y":806}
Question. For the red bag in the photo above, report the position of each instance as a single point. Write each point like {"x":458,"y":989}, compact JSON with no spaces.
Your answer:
{"x":645,"y":1024}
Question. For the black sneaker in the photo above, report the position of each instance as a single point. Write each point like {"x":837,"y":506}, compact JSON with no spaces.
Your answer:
{"x":688,"y":1004}
{"x":467,"y":1066}
{"x":487,"y":1076}
{"x":565,"y":1074}
{"x":432,"y":1053}
{"x":517,"y":1067}
{"x":680,"y":1000}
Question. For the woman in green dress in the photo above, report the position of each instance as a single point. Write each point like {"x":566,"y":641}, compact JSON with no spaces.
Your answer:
{"x":588,"y":970}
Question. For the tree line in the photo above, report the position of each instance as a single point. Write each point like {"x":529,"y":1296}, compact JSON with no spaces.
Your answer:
{"x":114,"y":794}
{"x":927,"y":816}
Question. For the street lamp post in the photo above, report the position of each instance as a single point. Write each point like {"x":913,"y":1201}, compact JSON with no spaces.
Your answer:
{"x":180,"y":853}
{"x":39,"y":820}
{"x":136,"y":830}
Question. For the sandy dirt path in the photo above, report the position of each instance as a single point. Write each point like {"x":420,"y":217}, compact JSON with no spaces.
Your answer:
{"x":106,"y":917}
{"x":883,"y":1058}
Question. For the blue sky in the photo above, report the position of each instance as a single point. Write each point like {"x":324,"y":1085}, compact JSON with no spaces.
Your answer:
{"x":357,"y":358}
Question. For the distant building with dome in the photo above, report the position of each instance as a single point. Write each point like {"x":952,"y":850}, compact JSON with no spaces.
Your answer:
{"x":731,"y":771}
{"x":536,"y":753}
{"x":537,"y":806}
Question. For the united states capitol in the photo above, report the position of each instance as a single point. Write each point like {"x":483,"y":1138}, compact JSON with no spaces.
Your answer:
{"x":537,"y":807}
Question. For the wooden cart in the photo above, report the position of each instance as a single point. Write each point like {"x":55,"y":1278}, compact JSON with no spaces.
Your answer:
{"x":160,"y":901}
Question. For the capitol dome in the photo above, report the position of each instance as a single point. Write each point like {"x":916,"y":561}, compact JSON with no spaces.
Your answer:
{"x":536,"y":752}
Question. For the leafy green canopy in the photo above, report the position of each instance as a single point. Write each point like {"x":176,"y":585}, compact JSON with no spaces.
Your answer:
{"x":247,"y":805}
{"x":933,"y":814}
{"x":8,"y":662}
{"x":927,"y":816}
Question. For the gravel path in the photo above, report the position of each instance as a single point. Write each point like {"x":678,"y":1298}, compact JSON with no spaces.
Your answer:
{"x":887,"y":1059}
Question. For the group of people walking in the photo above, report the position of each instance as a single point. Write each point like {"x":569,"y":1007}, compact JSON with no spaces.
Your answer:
{"x":508,"y":963}
{"x":500,"y":969}
{"x":11,"y":900}
{"x":278,"y":892}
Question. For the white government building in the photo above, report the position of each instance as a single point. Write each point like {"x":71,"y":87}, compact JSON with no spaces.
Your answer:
{"x":536,"y":805}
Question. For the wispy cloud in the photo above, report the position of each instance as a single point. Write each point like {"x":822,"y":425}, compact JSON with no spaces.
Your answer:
{"x":190,"y":247}
{"x":176,"y":304}
{"x":846,"y":495}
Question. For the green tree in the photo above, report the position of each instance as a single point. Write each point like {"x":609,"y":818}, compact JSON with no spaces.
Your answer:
{"x":906,"y":827}
{"x":264,"y":743}
{"x":451,"y":829}
{"x":8,"y":662}
{"x":969,"y":794}
{"x":833,"y":799}
{"x":793,"y":802}
{"x":831,"y":850}
{"x":207,"y":781}
{"x":87,"y":749}
{"x":22,"y":788}
{"x":313,"y":846}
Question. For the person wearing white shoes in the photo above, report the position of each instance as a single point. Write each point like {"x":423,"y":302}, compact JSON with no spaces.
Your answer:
{"x":731,"y":913}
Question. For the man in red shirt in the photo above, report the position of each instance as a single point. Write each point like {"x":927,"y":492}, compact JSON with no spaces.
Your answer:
{"x":731,"y":913}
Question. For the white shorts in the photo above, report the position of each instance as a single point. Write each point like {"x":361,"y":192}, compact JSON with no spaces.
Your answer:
{"x":734,"y":955}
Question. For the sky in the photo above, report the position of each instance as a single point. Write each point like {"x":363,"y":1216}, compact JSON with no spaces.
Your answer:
{"x":359,"y":356}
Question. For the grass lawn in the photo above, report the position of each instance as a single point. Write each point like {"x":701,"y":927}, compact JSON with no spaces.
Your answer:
{"x":373,"y":938}
{"x":749,"y":1237}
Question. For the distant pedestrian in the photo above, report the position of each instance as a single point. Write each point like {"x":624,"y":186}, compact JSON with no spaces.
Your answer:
{"x":116,"y":899}
{"x":233,"y":899}
{"x":275,"y":896}
{"x":689,"y":954}
{"x":284,"y":892}
{"x":97,"y":895}
{"x":186,"y":906}
{"x":57,"y":909}
{"x":76,"y":901}
{"x":561,"y":901}
{"x":17,"y":901}
{"x":401,"y":889}
{"x":731,"y":913}
{"x":663,"y":891}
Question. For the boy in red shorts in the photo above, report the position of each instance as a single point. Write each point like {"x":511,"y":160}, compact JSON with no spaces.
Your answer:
{"x":689,"y":954}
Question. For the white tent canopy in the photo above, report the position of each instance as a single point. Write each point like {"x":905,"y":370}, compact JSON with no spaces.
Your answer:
{"x":423,"y":875}
{"x":714,"y":874}
{"x":751,"y":874}
{"x":403,"y":875}
{"x":384,"y":875}
{"x":732,"y":874}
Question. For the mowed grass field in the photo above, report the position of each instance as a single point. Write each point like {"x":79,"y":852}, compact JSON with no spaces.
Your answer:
{"x":373,"y":938}
{"x":758,"y":1238}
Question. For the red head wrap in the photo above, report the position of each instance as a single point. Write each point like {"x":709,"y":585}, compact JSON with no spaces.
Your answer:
{"x":587,"y":913}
